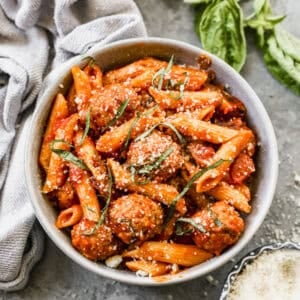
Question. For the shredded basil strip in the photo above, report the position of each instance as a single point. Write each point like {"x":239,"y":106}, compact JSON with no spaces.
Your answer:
{"x":105,"y":209}
{"x":161,"y":73}
{"x":193,"y":223}
{"x":87,"y":126}
{"x":90,"y":59}
{"x":148,"y":168}
{"x":67,"y":155}
{"x":187,"y":187}
{"x":137,"y":118}
{"x":147,"y":132}
{"x":118,"y":115}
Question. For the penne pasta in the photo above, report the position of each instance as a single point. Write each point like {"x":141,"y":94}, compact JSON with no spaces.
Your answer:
{"x":228,"y":152}
{"x":151,"y":268}
{"x":186,"y":100}
{"x":228,"y":193}
{"x":85,"y":192}
{"x":83,"y":91}
{"x":57,"y":171}
{"x":201,"y":130}
{"x":95,"y":76}
{"x":87,"y":152}
{"x":59,"y":111}
{"x":183,"y":255}
{"x":113,"y":140}
{"x":132,"y":70}
{"x":163,"y":193}
{"x":69,"y":217}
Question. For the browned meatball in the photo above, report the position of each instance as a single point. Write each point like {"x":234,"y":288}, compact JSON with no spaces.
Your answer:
{"x":105,"y":104}
{"x":150,"y":149}
{"x":135,"y":218}
{"x":221,"y":225}
{"x":99,"y":245}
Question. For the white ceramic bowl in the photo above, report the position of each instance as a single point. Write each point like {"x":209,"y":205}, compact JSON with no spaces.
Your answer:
{"x":124,"y":52}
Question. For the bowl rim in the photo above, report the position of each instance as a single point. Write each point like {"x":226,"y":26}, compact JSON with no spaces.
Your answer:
{"x":250,"y":257}
{"x":123,"y":276}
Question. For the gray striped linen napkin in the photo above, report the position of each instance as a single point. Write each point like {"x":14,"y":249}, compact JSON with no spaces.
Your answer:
{"x":36,"y":36}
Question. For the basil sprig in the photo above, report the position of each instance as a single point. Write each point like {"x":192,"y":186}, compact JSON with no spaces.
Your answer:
{"x":219,"y":25}
{"x":67,"y":155}
{"x":222,"y":32}
{"x":262,"y":20}
{"x":187,"y":187}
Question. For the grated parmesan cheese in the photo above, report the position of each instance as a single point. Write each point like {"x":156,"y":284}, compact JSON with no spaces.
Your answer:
{"x":272,"y":276}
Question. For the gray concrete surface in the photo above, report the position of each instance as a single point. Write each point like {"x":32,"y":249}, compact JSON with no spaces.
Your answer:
{"x":57,"y":277}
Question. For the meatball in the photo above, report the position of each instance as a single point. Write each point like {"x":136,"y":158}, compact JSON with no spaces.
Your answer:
{"x":105,"y":104}
{"x":97,"y":245}
{"x":148,"y":150}
{"x":201,"y":153}
{"x":135,"y":218}
{"x":221,"y":227}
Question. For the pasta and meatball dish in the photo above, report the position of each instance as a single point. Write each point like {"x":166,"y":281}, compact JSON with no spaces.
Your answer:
{"x":148,"y":165}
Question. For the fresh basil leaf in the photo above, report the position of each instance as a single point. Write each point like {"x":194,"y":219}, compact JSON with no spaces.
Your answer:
{"x":281,"y":66}
{"x":222,"y":33}
{"x":196,"y":225}
{"x":87,"y":126}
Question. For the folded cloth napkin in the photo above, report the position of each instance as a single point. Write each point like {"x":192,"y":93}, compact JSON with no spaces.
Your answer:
{"x":35,"y":37}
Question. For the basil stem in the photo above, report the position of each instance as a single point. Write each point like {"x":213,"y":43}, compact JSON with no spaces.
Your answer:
{"x":187,"y":187}
{"x":193,"y":223}
{"x":222,"y":32}
{"x":67,"y":155}
{"x":118,"y":115}
{"x":87,"y":126}
{"x":262,"y":19}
